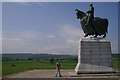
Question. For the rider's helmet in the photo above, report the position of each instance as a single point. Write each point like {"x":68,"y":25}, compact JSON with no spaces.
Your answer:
{"x":91,"y":5}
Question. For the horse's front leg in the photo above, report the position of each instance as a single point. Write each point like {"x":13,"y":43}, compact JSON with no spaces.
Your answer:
{"x":95,"y":36}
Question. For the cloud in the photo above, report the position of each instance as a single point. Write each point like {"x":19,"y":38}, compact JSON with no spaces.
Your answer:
{"x":59,"y":1}
{"x":21,"y":0}
{"x":65,"y":41}
{"x":60,"y":49}
{"x":51,"y":36}
{"x":71,"y":33}
{"x":27,"y":2}
{"x":30,"y":35}
{"x":70,"y":30}
{"x":11,"y":39}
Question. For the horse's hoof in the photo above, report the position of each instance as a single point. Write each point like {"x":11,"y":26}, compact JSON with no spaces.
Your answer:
{"x":104,"y":36}
{"x":95,"y":37}
{"x":86,"y":35}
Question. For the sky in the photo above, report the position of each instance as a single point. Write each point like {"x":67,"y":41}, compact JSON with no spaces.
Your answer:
{"x":60,"y":0}
{"x":51,"y":27}
{"x":119,"y":28}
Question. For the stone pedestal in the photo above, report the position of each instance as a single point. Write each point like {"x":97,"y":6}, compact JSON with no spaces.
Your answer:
{"x":94,"y":56}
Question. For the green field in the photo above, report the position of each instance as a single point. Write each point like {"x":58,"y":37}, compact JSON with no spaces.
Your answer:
{"x":116,"y":63}
{"x":23,"y":65}
{"x":14,"y":66}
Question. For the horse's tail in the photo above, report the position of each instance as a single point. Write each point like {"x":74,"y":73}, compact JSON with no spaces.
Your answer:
{"x":107,"y":23}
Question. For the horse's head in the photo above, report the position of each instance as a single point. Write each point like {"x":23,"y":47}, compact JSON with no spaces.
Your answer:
{"x":80,"y":14}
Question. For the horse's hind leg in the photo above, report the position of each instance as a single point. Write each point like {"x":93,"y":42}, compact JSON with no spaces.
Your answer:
{"x":86,"y":35}
{"x":104,"y":36}
{"x":95,"y":35}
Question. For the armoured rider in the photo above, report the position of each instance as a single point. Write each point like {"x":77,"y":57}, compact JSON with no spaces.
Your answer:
{"x":90,"y":18}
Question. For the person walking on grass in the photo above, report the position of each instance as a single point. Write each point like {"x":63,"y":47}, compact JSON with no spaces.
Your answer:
{"x":58,"y":67}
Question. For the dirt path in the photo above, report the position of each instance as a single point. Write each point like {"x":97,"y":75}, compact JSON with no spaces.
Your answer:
{"x":38,"y":74}
{"x":50,"y":75}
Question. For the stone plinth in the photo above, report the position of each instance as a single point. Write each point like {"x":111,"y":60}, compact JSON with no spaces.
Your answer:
{"x":94,"y":56}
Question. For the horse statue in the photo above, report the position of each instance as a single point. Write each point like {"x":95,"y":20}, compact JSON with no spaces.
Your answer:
{"x":99,"y":27}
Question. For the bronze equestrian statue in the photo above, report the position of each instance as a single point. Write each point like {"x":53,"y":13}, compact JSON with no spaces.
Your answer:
{"x":92,"y":25}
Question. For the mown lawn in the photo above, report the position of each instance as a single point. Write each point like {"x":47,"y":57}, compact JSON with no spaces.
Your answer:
{"x":10,"y":67}
{"x":116,"y":62}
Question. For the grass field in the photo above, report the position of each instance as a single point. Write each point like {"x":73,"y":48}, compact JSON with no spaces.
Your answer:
{"x":116,"y":62}
{"x":15,"y":66}
{"x":10,"y":67}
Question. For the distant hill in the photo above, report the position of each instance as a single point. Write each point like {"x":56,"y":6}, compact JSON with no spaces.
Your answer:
{"x":8,"y":56}
{"x":116,"y":55}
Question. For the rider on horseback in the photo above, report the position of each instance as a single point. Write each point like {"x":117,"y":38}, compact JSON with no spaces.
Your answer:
{"x":90,"y":18}
{"x":91,"y":25}
{"x":90,"y":14}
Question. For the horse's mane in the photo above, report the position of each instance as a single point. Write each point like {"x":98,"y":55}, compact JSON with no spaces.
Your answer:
{"x":82,"y":13}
